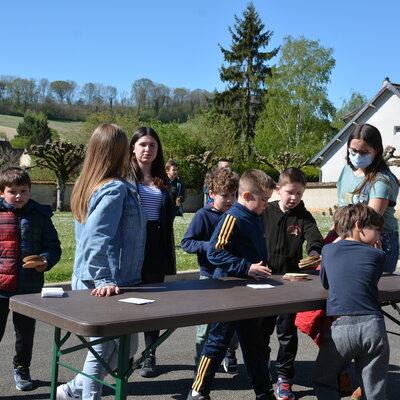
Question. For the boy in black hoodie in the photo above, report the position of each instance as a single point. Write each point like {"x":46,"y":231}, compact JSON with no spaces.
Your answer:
{"x":287,"y":225}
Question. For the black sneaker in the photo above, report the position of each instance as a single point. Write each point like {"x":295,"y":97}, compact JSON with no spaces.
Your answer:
{"x":230,"y":362}
{"x":148,"y":369}
{"x":198,"y":396}
{"x":22,"y":378}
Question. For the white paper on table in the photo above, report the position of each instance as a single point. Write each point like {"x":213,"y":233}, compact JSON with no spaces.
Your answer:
{"x":52,"y":292}
{"x":137,"y":300}
{"x":260,"y":286}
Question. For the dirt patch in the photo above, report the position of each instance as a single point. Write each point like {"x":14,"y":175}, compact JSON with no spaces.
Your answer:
{"x":10,"y":132}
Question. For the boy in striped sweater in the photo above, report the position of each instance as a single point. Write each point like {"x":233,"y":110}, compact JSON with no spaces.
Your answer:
{"x":238,"y":248}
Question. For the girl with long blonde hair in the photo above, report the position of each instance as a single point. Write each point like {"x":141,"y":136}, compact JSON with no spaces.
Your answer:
{"x":110,"y":237}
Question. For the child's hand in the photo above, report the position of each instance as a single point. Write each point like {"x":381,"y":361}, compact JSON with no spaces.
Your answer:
{"x":39,"y":263}
{"x":105,"y":291}
{"x":378,"y":244}
{"x":43,"y":267}
{"x":259,"y":271}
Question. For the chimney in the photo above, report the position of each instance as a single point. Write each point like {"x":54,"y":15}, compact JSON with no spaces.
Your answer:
{"x":385,"y":81}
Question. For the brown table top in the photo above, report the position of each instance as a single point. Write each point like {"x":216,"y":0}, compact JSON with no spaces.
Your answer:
{"x":179,"y":304}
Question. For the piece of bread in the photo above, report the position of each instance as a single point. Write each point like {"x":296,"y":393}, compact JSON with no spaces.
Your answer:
{"x":33,"y":261}
{"x":311,"y":261}
{"x":294,"y":276}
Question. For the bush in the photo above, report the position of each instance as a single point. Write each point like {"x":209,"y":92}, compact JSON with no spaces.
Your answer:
{"x":312,"y":173}
{"x":243,"y":166}
{"x":20,"y":142}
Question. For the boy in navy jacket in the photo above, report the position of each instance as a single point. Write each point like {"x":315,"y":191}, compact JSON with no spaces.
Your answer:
{"x":223,"y":186}
{"x":237,"y":248}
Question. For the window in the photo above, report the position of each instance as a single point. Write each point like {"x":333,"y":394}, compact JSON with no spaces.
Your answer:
{"x":396,"y":130}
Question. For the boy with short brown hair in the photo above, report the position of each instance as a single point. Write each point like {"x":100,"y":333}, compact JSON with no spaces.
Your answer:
{"x":25,"y":230}
{"x":177,"y":186}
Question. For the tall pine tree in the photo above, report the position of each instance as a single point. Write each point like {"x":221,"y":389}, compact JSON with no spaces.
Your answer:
{"x":243,"y":98}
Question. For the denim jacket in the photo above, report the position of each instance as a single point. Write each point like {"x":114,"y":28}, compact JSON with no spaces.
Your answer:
{"x":110,"y":244}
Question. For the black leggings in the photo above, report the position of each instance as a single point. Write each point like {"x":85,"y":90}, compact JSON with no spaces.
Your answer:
{"x":24,"y":328}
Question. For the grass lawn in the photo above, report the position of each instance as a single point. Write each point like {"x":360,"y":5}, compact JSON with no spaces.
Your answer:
{"x":64,"y":128}
{"x":64,"y":224}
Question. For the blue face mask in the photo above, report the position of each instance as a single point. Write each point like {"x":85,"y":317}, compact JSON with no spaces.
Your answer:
{"x":360,"y":161}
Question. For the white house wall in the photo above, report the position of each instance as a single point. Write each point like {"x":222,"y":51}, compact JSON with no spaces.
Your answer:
{"x":385,"y":117}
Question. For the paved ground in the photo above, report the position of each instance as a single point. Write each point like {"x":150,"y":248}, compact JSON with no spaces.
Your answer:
{"x":175,"y":359}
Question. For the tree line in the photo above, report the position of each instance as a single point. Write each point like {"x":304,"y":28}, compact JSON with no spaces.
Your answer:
{"x":67,"y":100}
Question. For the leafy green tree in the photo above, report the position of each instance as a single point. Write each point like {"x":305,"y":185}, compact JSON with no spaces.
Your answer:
{"x":141,"y":93}
{"x":34,"y":128}
{"x":214,"y":132}
{"x":355,"y":101}
{"x":63,"y":158}
{"x":245,"y":75}
{"x":297,"y":112}
{"x":177,"y":145}
{"x":63,"y":90}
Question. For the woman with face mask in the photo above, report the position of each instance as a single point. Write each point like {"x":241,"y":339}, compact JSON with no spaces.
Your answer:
{"x":367,"y":179}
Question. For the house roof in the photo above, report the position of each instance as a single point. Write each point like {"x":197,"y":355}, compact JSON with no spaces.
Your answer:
{"x":354,"y":115}
{"x":347,"y":117}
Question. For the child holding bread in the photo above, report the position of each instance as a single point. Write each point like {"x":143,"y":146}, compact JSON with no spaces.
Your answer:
{"x":288,"y":225}
{"x":29,"y":246}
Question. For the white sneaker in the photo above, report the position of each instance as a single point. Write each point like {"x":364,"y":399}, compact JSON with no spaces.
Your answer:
{"x":63,"y":393}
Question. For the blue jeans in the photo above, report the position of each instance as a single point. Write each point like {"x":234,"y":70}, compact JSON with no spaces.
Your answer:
{"x":362,"y":338}
{"x":85,"y":388}
{"x":390,"y":245}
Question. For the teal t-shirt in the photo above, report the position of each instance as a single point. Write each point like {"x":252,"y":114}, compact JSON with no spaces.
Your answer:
{"x":385,"y":187}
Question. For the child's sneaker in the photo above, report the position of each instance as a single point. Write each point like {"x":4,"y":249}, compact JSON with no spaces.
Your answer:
{"x":198,"y":396}
{"x":22,"y":378}
{"x":148,"y":369}
{"x":230,"y":362}
{"x":63,"y":393}
{"x":284,"y":389}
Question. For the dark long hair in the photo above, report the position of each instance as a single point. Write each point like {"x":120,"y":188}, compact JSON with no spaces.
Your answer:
{"x":160,"y":178}
{"x":371,"y":135}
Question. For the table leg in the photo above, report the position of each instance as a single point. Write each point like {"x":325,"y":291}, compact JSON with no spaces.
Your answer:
{"x":54,"y":364}
{"x":121,"y":377}
{"x":387,"y":315}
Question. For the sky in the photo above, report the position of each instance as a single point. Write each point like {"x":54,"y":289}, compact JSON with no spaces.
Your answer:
{"x":175,"y":42}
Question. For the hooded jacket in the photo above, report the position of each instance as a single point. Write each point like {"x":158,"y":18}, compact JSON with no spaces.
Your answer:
{"x":285,"y":234}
